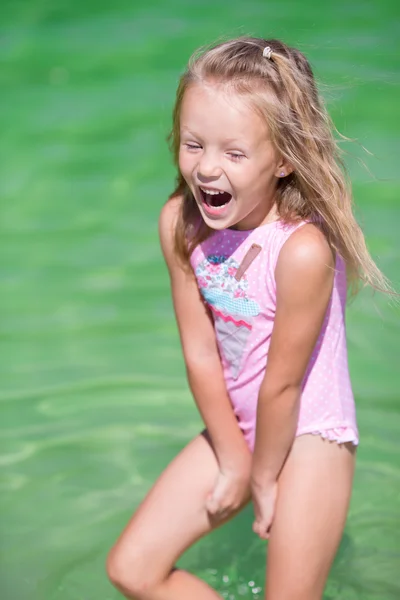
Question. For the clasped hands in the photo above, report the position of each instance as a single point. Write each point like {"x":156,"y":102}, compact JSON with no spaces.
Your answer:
{"x":233,"y":489}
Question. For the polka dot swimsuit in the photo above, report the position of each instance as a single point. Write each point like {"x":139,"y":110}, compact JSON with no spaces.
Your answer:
{"x":235,"y":274}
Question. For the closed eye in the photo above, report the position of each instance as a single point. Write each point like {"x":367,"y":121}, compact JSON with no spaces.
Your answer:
{"x":192,"y":146}
{"x":236,"y":156}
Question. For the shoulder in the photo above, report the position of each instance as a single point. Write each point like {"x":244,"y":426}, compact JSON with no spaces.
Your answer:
{"x":307,"y":246}
{"x":167,"y":224}
{"x":305,"y":259}
{"x":169,"y":216}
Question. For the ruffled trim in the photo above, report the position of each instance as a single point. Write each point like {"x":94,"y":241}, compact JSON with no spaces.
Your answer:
{"x":341,"y":435}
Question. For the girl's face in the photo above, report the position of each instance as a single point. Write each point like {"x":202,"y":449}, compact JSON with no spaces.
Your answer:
{"x":227,"y":159}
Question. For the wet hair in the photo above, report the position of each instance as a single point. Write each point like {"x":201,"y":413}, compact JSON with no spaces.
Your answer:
{"x":280,"y":86}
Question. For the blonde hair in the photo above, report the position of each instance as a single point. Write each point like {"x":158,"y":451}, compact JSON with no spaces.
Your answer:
{"x":282,"y":89}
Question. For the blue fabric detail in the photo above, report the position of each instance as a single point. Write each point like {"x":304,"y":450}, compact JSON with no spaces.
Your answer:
{"x":233,"y":306}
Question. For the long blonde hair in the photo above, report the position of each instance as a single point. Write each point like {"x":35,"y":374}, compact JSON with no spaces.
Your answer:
{"x":282,"y":89}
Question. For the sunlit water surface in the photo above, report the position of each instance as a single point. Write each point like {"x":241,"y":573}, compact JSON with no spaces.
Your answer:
{"x":93,"y":396}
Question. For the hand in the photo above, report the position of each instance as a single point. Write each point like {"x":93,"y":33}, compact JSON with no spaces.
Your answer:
{"x":231,"y":492}
{"x":264,"y":500}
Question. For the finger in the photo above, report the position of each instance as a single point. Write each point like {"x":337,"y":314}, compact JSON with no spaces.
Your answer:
{"x":212,"y":505}
{"x":261,"y":528}
{"x":216,"y":510}
{"x":216,"y":507}
{"x":215,"y":499}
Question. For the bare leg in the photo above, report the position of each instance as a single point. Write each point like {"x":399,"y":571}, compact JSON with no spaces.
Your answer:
{"x":313,"y":498}
{"x":170,"y":519}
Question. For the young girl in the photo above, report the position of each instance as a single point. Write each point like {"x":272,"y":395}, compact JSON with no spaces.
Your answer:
{"x":259,"y":238}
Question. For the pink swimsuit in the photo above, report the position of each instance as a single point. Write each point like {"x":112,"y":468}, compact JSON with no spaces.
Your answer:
{"x":242,"y":299}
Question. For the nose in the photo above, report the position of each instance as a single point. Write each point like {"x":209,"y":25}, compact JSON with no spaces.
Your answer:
{"x":208,"y":168}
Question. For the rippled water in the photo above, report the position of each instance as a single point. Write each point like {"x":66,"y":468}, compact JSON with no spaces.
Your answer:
{"x":93,"y":399}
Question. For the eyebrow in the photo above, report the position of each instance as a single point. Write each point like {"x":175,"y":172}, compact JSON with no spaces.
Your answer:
{"x":188,"y":131}
{"x":227,"y":141}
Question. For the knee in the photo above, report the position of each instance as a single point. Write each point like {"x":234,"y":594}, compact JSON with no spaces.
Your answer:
{"x":127,"y":574}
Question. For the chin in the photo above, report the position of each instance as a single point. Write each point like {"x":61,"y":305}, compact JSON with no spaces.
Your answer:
{"x":216,"y":224}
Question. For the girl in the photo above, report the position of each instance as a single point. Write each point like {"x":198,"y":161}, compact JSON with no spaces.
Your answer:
{"x":258,"y":238}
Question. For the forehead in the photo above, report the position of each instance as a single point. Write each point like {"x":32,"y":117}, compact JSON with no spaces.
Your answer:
{"x":214,"y":109}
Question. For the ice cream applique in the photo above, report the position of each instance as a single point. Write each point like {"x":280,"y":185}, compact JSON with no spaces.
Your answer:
{"x":228,"y":300}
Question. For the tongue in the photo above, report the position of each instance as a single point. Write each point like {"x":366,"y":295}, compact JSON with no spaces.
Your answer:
{"x":218,"y":199}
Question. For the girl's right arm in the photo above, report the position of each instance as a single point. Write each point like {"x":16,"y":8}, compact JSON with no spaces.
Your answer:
{"x":203,"y":364}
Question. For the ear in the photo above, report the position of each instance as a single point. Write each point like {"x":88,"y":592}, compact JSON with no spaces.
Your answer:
{"x":283,"y":169}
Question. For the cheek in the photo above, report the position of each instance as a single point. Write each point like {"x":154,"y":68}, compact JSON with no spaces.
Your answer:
{"x":264,"y":174}
{"x":181,"y":163}
{"x":253,"y":181}
{"x":249,"y":177}
{"x":186,"y":163}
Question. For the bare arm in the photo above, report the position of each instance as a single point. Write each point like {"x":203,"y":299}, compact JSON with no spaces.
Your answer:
{"x":200,"y":352}
{"x":304,"y":279}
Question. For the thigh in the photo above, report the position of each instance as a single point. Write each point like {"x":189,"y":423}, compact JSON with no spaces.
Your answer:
{"x":172,"y":516}
{"x":313,"y":498}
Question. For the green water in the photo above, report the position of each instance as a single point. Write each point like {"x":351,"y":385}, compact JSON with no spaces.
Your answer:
{"x":93,"y":397}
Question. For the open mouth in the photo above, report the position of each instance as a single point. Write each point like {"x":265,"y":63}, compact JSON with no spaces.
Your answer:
{"x":216,"y":199}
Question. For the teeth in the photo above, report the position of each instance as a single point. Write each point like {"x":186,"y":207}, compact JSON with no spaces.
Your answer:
{"x":212,"y":192}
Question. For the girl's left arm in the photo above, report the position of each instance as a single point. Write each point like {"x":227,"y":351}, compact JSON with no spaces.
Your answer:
{"x":304,"y":279}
